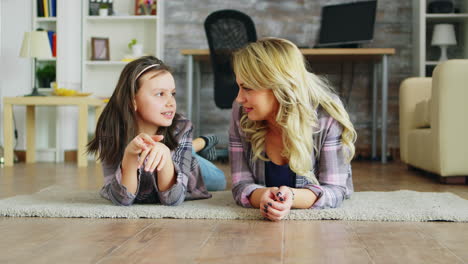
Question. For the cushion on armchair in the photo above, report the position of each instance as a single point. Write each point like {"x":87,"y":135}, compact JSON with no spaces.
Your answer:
{"x":422,"y":116}
{"x":433,"y":120}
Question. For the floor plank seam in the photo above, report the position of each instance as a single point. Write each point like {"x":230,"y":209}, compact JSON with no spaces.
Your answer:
{"x":364,"y":245}
{"x":439,"y":242}
{"x":123,"y":243}
{"x":203,"y":244}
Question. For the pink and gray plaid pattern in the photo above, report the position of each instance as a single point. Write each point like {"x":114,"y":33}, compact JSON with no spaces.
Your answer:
{"x":330,"y":166}
{"x":189,"y":184}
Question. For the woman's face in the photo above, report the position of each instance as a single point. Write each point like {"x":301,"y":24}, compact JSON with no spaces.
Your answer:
{"x":260,"y":104}
{"x":155,"y":102}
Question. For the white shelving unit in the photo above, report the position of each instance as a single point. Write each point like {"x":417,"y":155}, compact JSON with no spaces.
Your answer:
{"x":45,"y":23}
{"x":100,"y":77}
{"x":48,"y":145}
{"x":425,"y":56}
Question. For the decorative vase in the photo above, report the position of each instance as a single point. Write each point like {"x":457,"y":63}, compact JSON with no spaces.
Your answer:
{"x":103,"y":12}
{"x":137,"y":50}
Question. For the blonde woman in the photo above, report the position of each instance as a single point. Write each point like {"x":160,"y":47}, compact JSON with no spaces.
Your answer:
{"x":290,"y":140}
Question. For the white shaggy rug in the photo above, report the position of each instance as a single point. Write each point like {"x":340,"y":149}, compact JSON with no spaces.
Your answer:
{"x":402,"y":205}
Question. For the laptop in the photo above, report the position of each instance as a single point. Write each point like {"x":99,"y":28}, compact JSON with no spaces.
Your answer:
{"x":347,"y":25}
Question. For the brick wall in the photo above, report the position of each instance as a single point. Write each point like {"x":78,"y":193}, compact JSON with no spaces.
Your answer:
{"x":297,"y":21}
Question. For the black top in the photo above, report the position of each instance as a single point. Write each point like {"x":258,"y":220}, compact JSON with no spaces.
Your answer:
{"x":279,"y":175}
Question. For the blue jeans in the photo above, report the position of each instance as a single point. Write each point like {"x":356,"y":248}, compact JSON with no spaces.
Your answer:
{"x":212,"y":176}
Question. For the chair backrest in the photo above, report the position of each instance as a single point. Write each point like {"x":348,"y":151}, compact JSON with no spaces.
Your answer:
{"x":226,"y":31}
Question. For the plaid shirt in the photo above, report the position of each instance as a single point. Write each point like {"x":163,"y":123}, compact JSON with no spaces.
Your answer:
{"x":189,"y":183}
{"x":330,"y":166}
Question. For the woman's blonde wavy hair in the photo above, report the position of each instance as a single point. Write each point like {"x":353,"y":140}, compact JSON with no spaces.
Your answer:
{"x":277,"y":64}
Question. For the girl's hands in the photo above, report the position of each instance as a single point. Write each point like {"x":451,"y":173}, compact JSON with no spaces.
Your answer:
{"x":145,"y":146}
{"x":276,"y":203}
{"x":135,"y":154}
{"x":141,"y":143}
{"x":156,"y":156}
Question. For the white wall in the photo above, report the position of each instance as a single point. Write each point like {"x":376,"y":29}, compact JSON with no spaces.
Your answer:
{"x":16,"y":72}
{"x":69,"y":67}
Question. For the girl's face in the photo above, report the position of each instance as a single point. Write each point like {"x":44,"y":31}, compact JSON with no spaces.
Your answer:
{"x":259,"y":104}
{"x":155,"y":102}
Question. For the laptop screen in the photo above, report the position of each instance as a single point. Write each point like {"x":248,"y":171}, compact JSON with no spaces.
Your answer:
{"x":350,"y":23}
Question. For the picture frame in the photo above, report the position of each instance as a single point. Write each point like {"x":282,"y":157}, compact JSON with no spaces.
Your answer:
{"x":145,"y":7}
{"x":100,"y":49}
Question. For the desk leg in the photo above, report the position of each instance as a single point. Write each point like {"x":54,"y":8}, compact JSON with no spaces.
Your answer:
{"x":30,"y":134}
{"x":384,"y":106}
{"x":374,"y":112}
{"x":8,"y":133}
{"x":197,"y":91}
{"x":59,"y":153}
{"x":189,"y":86}
{"x":82,"y":135}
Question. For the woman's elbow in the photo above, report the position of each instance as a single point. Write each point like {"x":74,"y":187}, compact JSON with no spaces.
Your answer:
{"x":339,"y":197}
{"x":238,"y":202}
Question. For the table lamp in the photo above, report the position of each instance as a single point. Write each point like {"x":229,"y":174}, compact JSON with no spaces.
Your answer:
{"x":36,"y":45}
{"x":443,"y":36}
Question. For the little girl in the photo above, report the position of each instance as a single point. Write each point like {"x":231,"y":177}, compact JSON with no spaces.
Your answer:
{"x":145,"y":146}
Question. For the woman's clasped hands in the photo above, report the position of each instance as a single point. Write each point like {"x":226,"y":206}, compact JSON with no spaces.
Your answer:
{"x":149,"y":148}
{"x":276,"y":203}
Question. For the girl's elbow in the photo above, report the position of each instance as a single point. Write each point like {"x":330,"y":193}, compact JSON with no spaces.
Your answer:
{"x":120,"y":200}
{"x":123,"y":203}
{"x":174,"y":202}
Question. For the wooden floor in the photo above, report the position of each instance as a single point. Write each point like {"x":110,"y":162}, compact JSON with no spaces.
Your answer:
{"x":62,"y":240}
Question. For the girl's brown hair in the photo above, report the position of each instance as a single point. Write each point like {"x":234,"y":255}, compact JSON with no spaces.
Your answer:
{"x":117,"y":125}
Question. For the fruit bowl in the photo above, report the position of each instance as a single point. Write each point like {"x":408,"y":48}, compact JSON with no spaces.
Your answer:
{"x":68,"y":92}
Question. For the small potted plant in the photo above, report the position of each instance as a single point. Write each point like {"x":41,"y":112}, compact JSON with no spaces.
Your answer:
{"x":136,"y":48}
{"x":45,"y":75}
{"x":104,"y":9}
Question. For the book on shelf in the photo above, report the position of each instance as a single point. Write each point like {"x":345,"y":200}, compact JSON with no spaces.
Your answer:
{"x":145,"y":7}
{"x":54,"y":8}
{"x":40,"y":8}
{"x":52,"y":35}
{"x":46,"y":8}
{"x":54,"y":45}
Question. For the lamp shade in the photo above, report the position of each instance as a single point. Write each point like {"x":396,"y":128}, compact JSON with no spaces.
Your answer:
{"x":444,"y":34}
{"x":36,"y":45}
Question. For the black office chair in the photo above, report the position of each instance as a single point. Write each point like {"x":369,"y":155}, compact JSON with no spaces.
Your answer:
{"x":226,"y":31}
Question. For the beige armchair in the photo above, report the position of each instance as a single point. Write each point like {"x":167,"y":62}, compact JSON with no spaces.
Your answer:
{"x":434,"y":120}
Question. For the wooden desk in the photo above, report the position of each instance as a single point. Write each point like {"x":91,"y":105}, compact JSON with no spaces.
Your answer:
{"x":31,"y":102}
{"x":374,"y":55}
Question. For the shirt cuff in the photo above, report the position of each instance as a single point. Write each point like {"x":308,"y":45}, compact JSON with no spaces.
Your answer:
{"x":247,"y":192}
{"x":172,"y":196}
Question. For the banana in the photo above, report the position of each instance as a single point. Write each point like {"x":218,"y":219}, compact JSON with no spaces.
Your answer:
{"x":64,"y":92}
